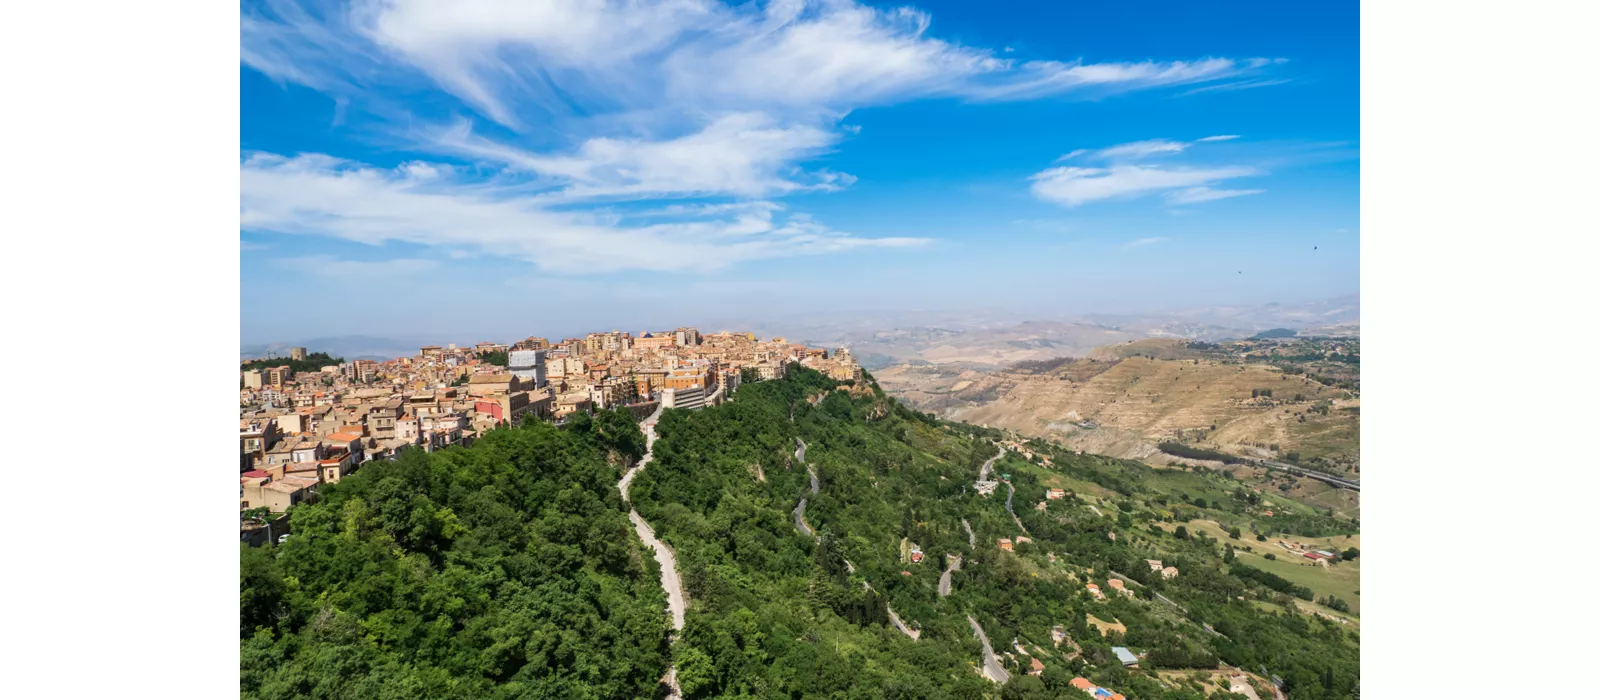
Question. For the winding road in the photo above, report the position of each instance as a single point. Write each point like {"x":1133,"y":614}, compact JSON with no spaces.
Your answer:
{"x":972,"y":540}
{"x":944,"y":578}
{"x":800,"y":519}
{"x":800,"y":510}
{"x":800,"y":524}
{"x":1310,"y":474}
{"x":1009,"y":496}
{"x":992,"y":669}
{"x":983,"y":472}
{"x":677,"y":602}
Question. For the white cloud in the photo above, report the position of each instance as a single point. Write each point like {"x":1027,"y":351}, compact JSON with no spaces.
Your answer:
{"x":1122,"y":177}
{"x":744,"y":154}
{"x":1237,"y":85}
{"x":624,"y":100}
{"x":1141,"y":149}
{"x":1075,"y":186}
{"x":514,"y":59}
{"x":1196,"y":195}
{"x":355,"y":270}
{"x":1142,"y":242}
{"x":321,"y":195}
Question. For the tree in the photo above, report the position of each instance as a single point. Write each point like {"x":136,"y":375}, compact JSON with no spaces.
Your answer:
{"x":696,"y":672}
{"x":500,"y":358}
{"x":1181,"y":532}
{"x":1233,"y":532}
{"x":1350,"y":553}
{"x":1025,"y":687}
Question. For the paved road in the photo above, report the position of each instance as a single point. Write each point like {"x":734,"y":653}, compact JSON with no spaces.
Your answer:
{"x":1309,"y":473}
{"x":983,"y":472}
{"x":676,"y":601}
{"x":1097,"y":511}
{"x":800,"y":519}
{"x":944,"y":578}
{"x":800,"y":451}
{"x":813,"y":474}
{"x":992,"y":669}
{"x":1009,"y":495}
{"x":899,"y":625}
{"x":972,"y":540}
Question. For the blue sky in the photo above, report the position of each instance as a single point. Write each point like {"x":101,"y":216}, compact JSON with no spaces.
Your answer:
{"x":505,"y":168}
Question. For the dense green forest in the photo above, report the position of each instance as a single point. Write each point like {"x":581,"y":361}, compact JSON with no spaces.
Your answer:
{"x":507,"y":570}
{"x":314,"y":362}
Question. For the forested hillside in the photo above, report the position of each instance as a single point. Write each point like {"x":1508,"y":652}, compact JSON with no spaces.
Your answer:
{"x":503,"y":570}
{"x":776,"y":614}
{"x":507,"y":569}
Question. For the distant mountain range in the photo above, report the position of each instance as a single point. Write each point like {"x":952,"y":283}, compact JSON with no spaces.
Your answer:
{"x":982,"y":338}
{"x":998,"y":341}
{"x":350,"y":347}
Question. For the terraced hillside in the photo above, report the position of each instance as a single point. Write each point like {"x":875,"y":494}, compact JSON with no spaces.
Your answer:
{"x":1124,"y":399}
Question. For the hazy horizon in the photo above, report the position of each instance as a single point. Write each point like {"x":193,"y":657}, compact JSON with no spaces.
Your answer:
{"x":821,"y":324}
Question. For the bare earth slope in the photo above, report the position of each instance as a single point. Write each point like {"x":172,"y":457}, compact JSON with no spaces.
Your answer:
{"x":1121,"y":402}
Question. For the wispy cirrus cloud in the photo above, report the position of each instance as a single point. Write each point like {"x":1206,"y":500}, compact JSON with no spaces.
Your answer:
{"x":1124,"y":174}
{"x":1075,"y":186}
{"x":1236,"y":85}
{"x":511,"y":58}
{"x":355,"y":270}
{"x":1142,"y":242}
{"x":1196,"y":195}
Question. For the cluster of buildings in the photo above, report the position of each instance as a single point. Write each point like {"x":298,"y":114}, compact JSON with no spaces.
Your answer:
{"x":1307,"y":552}
{"x":1167,"y":572}
{"x":298,"y":430}
{"x":1115,"y":584}
{"x":1095,"y":691}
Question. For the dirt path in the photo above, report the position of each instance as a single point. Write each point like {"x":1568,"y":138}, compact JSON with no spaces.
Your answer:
{"x":677,"y":602}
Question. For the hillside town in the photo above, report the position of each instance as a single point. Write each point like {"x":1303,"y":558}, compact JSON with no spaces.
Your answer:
{"x":298,"y":430}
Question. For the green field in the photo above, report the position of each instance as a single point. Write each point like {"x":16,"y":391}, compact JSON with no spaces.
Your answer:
{"x":1342,"y":580}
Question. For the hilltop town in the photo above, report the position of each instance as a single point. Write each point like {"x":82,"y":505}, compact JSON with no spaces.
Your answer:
{"x":300,"y":429}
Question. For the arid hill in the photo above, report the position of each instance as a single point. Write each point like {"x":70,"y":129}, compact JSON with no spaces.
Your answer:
{"x":1121,"y":400}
